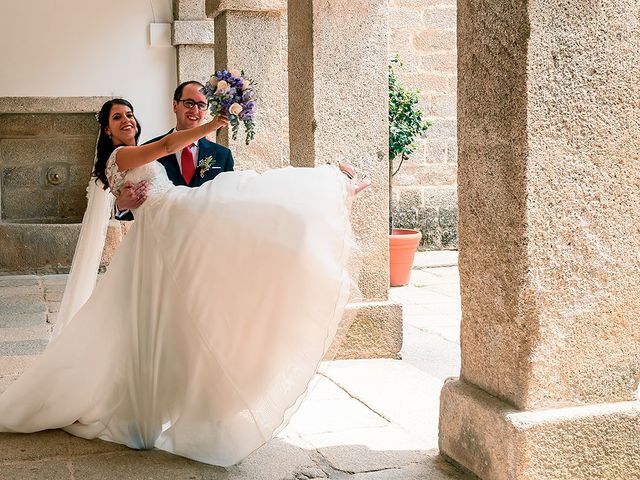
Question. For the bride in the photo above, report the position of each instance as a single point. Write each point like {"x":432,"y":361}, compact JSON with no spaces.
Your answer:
{"x":203,"y":335}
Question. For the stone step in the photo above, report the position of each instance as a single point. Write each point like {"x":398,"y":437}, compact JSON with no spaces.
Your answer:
{"x":28,"y":306}
{"x":23,"y":347}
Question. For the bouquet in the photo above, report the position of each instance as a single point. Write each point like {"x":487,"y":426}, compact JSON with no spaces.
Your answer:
{"x":231,"y":93}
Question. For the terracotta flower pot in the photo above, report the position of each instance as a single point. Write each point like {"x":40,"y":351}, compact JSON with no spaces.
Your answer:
{"x":402,"y":249}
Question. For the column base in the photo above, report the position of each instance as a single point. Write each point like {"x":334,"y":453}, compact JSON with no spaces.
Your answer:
{"x":376,"y":332}
{"x":495,"y":441}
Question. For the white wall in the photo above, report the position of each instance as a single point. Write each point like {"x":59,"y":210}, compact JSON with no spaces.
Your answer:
{"x":89,"y":48}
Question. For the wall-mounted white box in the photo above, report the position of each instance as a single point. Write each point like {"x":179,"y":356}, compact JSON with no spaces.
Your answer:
{"x":160,"y":35}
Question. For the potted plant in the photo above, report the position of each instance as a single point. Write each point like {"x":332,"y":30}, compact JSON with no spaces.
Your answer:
{"x":406,"y":123}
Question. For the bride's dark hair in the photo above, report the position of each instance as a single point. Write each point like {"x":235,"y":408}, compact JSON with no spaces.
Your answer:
{"x":105,"y":146}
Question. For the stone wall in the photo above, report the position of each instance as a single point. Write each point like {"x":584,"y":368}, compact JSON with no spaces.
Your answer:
{"x":45,"y":161}
{"x":47,"y":146}
{"x":423,"y":34}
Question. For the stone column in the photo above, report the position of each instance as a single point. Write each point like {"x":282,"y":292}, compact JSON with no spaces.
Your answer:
{"x":549,"y":177}
{"x":338,"y":111}
{"x":193,"y":37}
{"x":248,"y":37}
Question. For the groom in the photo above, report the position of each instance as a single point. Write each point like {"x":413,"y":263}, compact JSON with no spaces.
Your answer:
{"x":192,"y":166}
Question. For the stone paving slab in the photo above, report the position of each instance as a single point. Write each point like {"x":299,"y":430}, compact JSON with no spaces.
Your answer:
{"x":433,"y":467}
{"x":428,"y":320}
{"x":413,"y":295}
{"x":449,"y":333}
{"x":377,"y":383}
{"x":441,"y":258}
{"x":448,"y":288}
{"x":431,"y":352}
{"x":445,"y":272}
{"x":447,"y":308}
{"x":321,"y":388}
{"x":45,"y":470}
{"x":77,"y":446}
{"x":434,"y":299}
{"x":347,"y":413}
{"x":367,"y":449}
{"x":18,"y":447}
{"x":280,"y":459}
{"x":139,"y":465}
{"x":423,"y":278}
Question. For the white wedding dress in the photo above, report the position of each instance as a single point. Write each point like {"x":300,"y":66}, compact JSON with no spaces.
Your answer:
{"x":202,"y":337}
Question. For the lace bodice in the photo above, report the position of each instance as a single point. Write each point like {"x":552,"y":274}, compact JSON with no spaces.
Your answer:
{"x":154,"y":173}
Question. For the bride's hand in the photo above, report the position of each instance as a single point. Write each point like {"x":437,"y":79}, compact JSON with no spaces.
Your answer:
{"x":219,"y":121}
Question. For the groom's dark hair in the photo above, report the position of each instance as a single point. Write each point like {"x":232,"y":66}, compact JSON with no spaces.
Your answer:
{"x":177,"y":95}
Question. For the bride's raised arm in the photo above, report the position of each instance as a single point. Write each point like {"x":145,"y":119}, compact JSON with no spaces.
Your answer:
{"x":135,"y":156}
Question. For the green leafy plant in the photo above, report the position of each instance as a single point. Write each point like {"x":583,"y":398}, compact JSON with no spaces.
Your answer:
{"x":406,"y":124}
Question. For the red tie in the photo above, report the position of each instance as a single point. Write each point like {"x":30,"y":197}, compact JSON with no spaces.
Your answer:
{"x":187,"y":163}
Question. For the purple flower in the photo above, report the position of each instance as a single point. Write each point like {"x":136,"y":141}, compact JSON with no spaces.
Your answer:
{"x":248,"y":95}
{"x":208,"y":90}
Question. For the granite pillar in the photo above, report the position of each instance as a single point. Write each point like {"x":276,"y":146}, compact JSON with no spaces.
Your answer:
{"x":549,"y":170}
{"x":248,"y":38}
{"x":193,"y":37}
{"x":338,"y":112}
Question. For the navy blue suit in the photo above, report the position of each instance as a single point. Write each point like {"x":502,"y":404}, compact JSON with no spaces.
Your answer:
{"x":222,"y":162}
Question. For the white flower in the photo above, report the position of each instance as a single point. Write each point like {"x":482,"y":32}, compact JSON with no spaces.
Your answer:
{"x":213,"y":81}
{"x":246,"y":85}
{"x":235,"y":73}
{"x":222,"y":86}
{"x":235,"y":109}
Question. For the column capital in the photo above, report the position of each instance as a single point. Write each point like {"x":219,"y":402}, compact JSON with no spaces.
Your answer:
{"x":216,"y":7}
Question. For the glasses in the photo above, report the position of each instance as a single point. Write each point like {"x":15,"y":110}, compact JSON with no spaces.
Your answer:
{"x":188,"y":103}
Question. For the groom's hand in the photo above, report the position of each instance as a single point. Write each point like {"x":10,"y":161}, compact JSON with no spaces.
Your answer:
{"x":132,"y":195}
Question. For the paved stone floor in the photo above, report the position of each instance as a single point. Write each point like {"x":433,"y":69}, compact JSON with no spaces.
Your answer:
{"x":363,"y":420}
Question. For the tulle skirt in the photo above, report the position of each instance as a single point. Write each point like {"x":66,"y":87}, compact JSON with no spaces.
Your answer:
{"x":202,"y":337}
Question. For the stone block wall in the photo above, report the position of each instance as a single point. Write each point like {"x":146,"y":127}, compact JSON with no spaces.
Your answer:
{"x":423,"y":34}
{"x":45,"y":162}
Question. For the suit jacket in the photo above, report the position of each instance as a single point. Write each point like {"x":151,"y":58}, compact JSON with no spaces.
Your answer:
{"x":222,"y":162}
